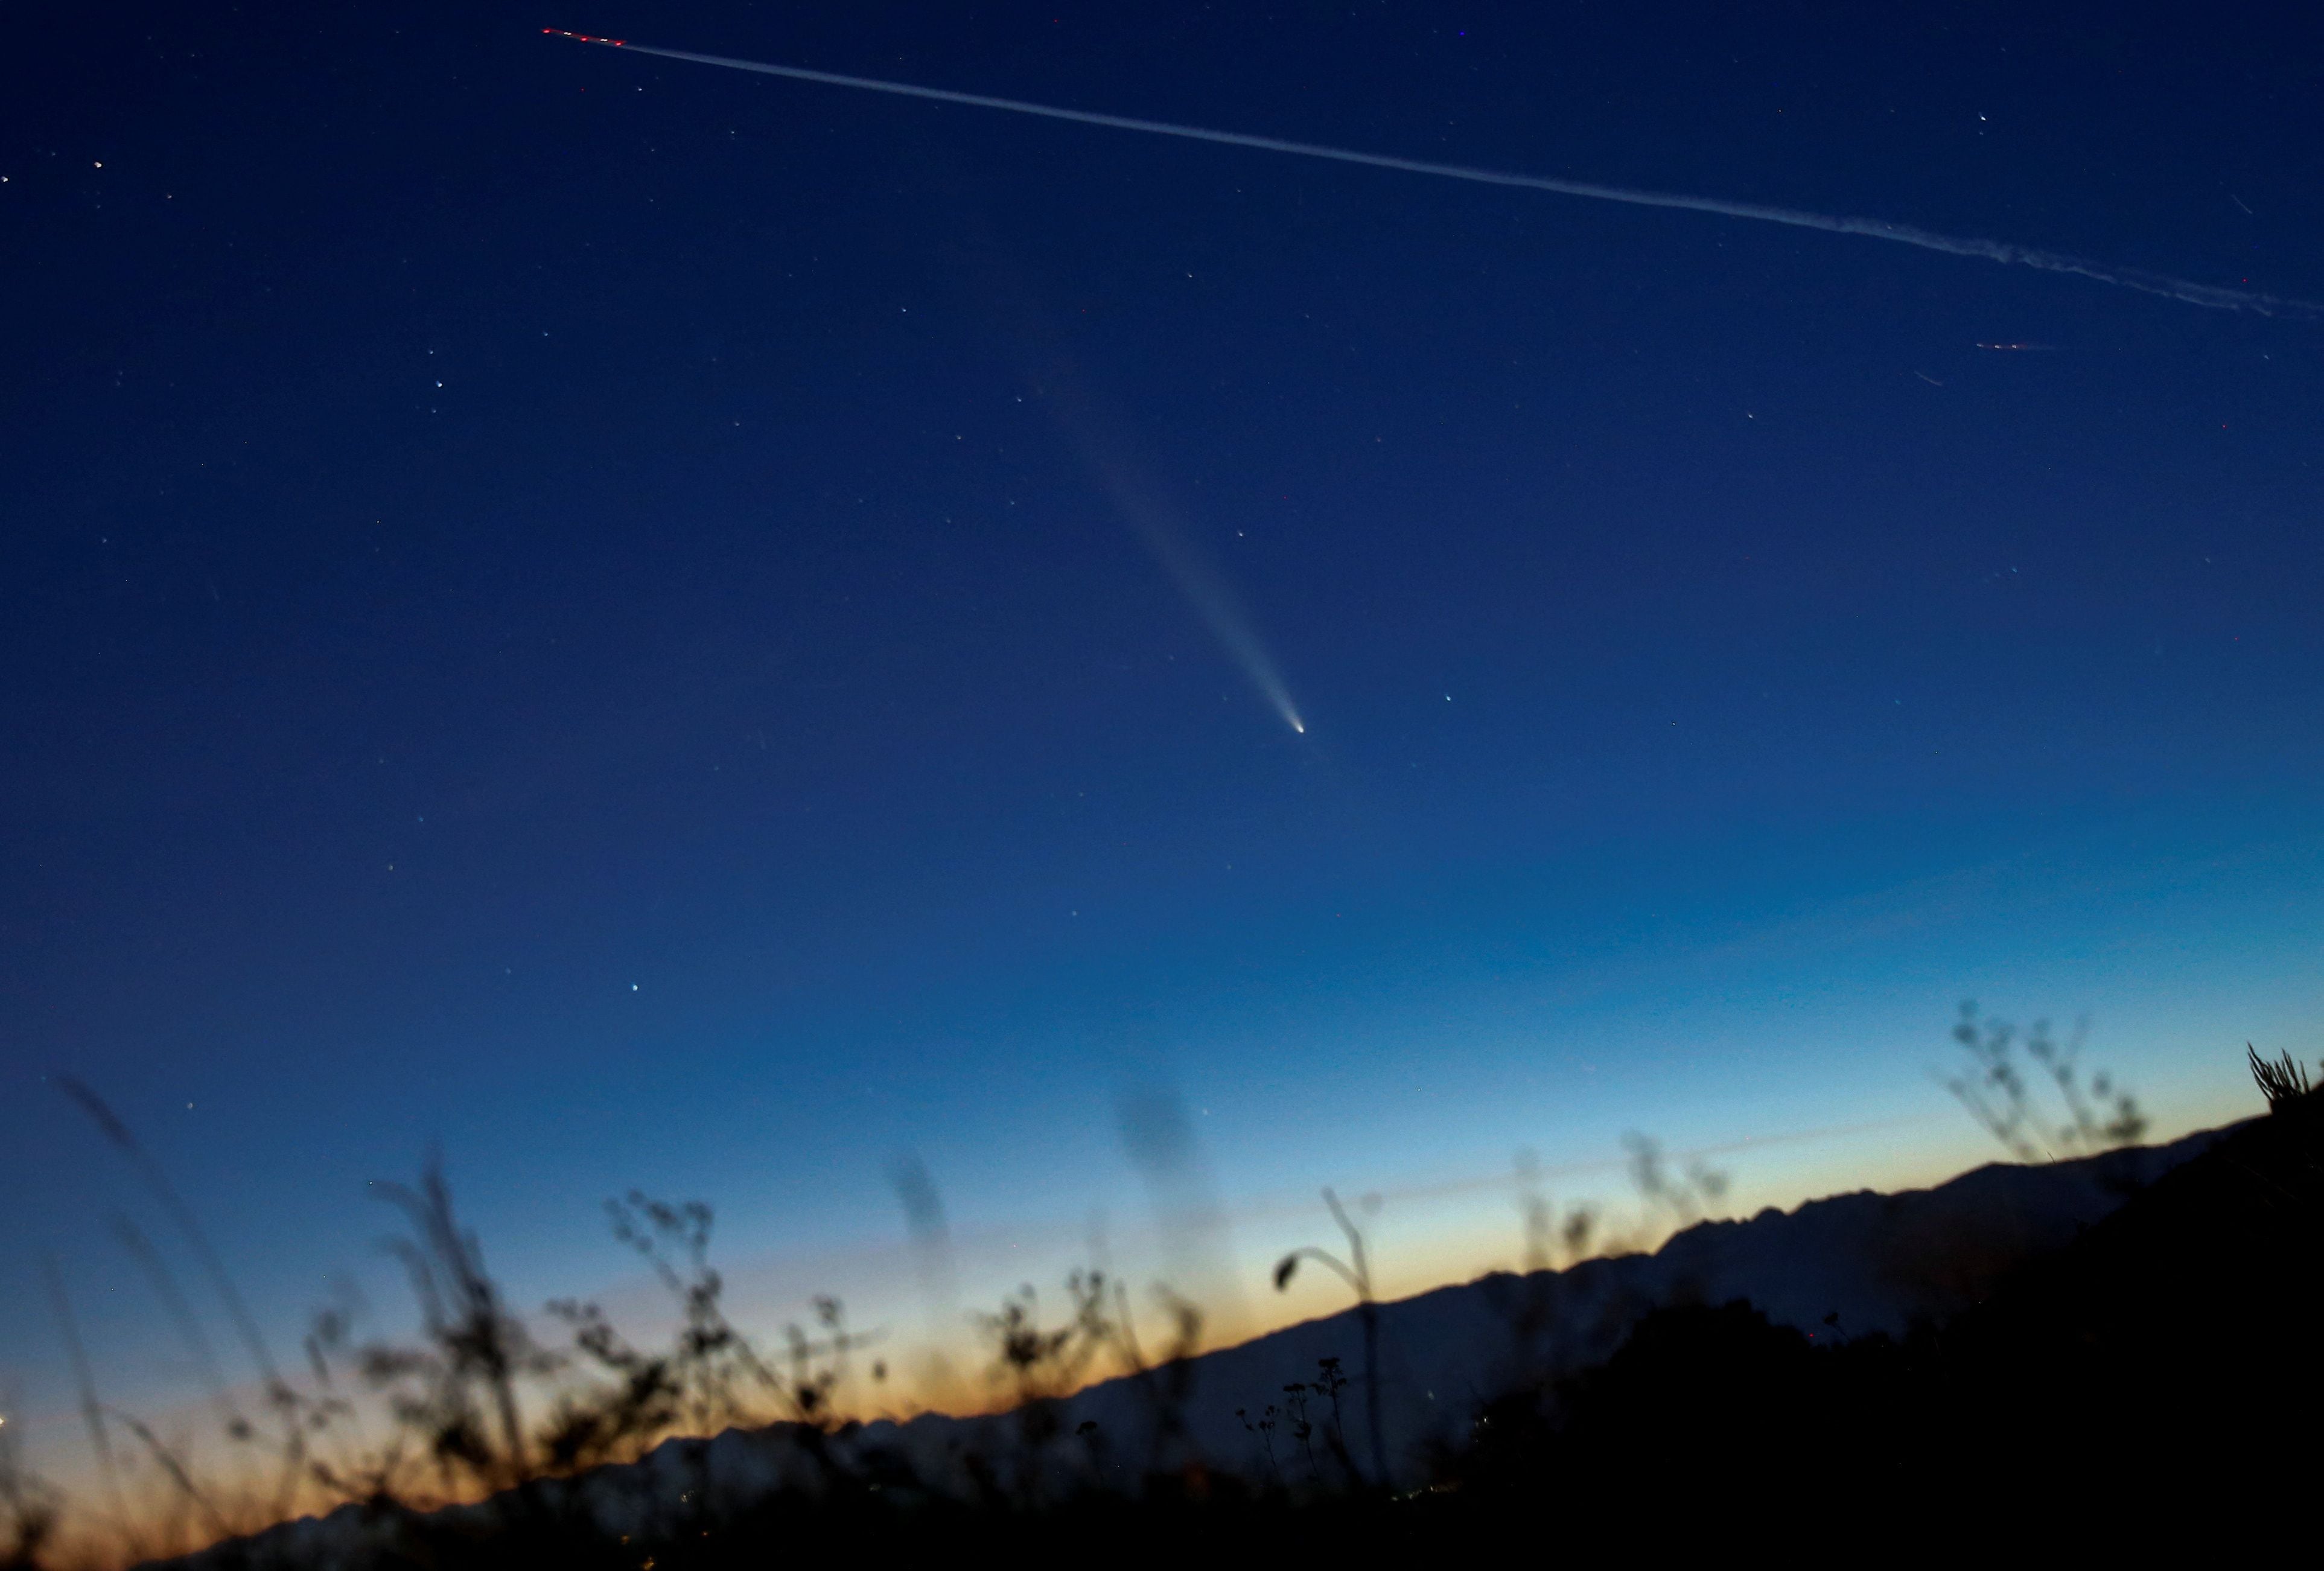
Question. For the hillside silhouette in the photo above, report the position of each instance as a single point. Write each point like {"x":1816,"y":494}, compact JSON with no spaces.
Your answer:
{"x":2117,"y":1337}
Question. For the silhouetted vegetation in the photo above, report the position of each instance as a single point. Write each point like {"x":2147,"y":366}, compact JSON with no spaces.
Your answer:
{"x":1356,"y":1271}
{"x":2132,"y":1372}
{"x":29,"y":1507}
{"x":1686,"y":1195}
{"x":2092,"y":1115}
{"x":2282,"y":1081}
{"x":2138,"y":1360}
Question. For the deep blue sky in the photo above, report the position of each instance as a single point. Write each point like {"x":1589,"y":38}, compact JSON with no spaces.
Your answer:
{"x":570,"y":603}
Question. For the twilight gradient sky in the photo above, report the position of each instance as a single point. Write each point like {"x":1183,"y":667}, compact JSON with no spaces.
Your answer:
{"x":600,"y":612}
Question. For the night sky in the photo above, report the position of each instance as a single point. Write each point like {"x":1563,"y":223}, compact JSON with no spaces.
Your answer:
{"x":646,"y":625}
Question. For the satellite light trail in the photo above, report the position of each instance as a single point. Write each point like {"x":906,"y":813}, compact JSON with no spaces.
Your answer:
{"x":2155,"y":283}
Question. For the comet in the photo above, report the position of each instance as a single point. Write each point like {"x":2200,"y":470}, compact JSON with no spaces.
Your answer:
{"x":2001,"y":250}
{"x":1208,"y":592}
{"x":1173,"y":546}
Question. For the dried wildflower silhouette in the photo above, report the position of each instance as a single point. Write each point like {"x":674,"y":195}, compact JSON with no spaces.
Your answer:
{"x":2097,"y":1115}
{"x":1356,"y":1271}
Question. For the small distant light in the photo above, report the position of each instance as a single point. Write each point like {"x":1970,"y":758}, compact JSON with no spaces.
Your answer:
{"x":633,"y":987}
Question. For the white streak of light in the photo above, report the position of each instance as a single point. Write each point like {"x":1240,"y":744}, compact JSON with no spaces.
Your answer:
{"x":2178,"y":289}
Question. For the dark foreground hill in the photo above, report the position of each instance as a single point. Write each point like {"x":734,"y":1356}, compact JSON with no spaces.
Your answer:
{"x":2099,"y":1343}
{"x":2161,"y":1367}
